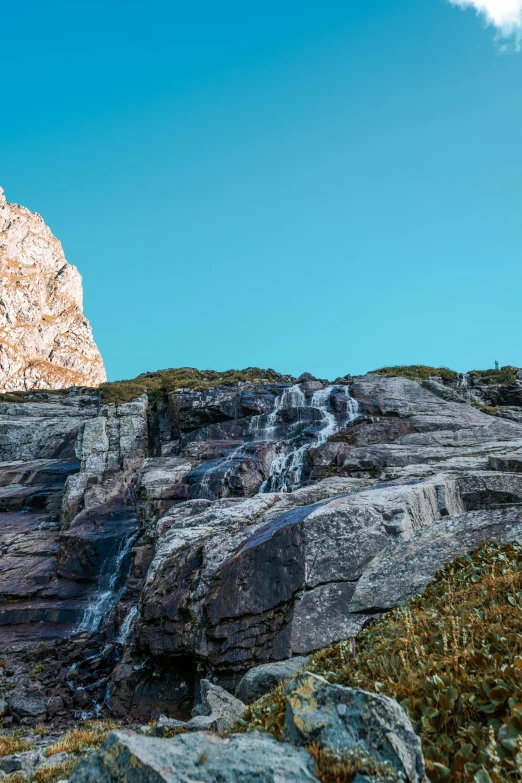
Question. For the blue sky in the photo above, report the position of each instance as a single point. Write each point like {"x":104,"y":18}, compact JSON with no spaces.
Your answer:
{"x":329,"y":187}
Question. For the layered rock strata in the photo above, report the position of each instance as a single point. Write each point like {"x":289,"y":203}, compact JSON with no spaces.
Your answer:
{"x":195,"y":535}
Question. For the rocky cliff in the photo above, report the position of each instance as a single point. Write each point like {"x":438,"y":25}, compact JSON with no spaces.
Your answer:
{"x":45,"y":340}
{"x":198,"y":531}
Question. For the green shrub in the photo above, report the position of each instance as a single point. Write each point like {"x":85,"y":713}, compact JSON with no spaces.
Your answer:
{"x":159,"y":384}
{"x":491,"y":410}
{"x":164,"y":381}
{"x":504,"y":376}
{"x":417,"y":372}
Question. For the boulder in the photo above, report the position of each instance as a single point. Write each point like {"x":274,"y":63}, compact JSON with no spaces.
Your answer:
{"x":26,"y":706}
{"x":20,"y":762}
{"x":264,"y":678}
{"x":510,"y":394}
{"x":445,"y":392}
{"x":217,"y":703}
{"x":510,"y":463}
{"x":54,"y":704}
{"x":310,"y":556}
{"x":352,"y":721}
{"x":127,"y":757}
{"x":201,"y":723}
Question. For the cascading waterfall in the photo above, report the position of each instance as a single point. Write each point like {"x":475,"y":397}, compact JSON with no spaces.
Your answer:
{"x":286,"y":469}
{"x":111,"y":584}
{"x":261,"y":428}
{"x":292,"y":397}
{"x":127,"y":625}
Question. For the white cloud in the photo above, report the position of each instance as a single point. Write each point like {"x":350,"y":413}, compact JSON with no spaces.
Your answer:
{"x":504,"y":15}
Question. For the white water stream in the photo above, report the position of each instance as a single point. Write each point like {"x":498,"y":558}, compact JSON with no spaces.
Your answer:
{"x":286,"y":469}
{"x":127,"y":625}
{"x":108,"y":593}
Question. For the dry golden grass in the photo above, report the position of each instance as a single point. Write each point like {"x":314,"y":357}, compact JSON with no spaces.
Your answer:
{"x":90,"y":735}
{"x":173,"y":731}
{"x":452,"y":658}
{"x":13,"y":743}
{"x":51,"y":773}
{"x":17,"y":777}
{"x":335,"y":767}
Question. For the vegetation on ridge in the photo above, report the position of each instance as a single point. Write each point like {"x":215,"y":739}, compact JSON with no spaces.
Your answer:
{"x":503,"y":376}
{"x":164,"y":381}
{"x":161,"y":382}
{"x":158,"y":384}
{"x":417,"y":371}
{"x":452,"y":657}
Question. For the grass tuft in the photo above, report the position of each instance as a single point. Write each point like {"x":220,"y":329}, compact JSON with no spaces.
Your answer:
{"x":50,"y":773}
{"x":13,"y":743}
{"x":16,"y":777}
{"x":504,"y":376}
{"x":335,"y":767}
{"x":491,"y":410}
{"x":92,"y":734}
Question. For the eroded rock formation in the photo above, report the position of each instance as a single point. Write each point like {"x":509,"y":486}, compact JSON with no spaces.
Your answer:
{"x":45,"y":340}
{"x":163,"y":541}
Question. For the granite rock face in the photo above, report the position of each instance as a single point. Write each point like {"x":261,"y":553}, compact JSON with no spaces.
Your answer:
{"x":405,"y":568}
{"x":195,"y":536}
{"x":66,"y":507}
{"x":235,"y":582}
{"x":45,"y":340}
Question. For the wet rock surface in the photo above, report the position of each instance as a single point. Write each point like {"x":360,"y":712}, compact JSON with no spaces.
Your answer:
{"x":150,"y":547}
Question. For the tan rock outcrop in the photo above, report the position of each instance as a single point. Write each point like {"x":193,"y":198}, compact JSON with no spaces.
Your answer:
{"x":45,"y":340}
